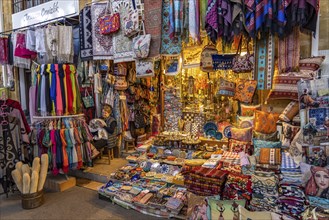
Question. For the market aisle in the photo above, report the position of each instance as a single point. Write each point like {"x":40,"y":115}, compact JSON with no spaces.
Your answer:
{"x":75,"y":203}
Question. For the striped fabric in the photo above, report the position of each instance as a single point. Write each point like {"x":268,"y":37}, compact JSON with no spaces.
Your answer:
{"x":289,"y":52}
{"x":287,"y":162}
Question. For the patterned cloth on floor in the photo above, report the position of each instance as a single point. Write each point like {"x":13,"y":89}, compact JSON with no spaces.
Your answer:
{"x":237,"y":186}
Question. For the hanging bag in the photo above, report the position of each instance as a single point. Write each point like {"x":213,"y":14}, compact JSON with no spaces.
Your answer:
{"x":144,"y":68}
{"x":245,"y":63}
{"x":141,"y":45}
{"x":88,"y":100}
{"x":206,"y":63}
{"x":131,"y":22}
{"x":109,"y":23}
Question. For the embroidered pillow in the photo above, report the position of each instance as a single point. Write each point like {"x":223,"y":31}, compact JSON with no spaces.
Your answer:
{"x":259,"y":144}
{"x":288,"y":134}
{"x":266,"y":137}
{"x":285,"y":85}
{"x":245,"y":122}
{"x":311,"y":63}
{"x":290,"y":111}
{"x":197,"y":207}
{"x":249,"y":110}
{"x":225,"y":87}
{"x":265,"y":122}
{"x":239,"y":146}
{"x":228,"y":209}
{"x":244,"y":214}
{"x":241,"y":134}
{"x":316,"y":180}
{"x":270,"y":156}
{"x":244,"y":90}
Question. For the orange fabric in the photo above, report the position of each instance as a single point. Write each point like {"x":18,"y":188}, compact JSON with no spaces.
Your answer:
{"x":265,"y":122}
{"x":244,"y":90}
{"x":65,"y":157}
{"x":78,"y":147}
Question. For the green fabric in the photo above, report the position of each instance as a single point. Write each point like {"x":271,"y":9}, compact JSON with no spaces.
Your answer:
{"x":203,"y":12}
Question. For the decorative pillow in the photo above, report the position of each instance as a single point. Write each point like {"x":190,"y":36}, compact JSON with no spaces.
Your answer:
{"x":249,"y":110}
{"x":245,"y":121}
{"x":197,"y":207}
{"x":316,"y":180}
{"x":311,"y":63}
{"x":266,"y":137}
{"x":244,"y":214}
{"x":239,"y":146}
{"x":289,"y":132}
{"x":285,"y":85}
{"x":270,"y":156}
{"x":241,"y":134}
{"x":320,"y":114}
{"x":244,"y":90}
{"x":227,"y":209}
{"x":265,"y":122}
{"x":258,"y":144}
{"x":296,"y":148}
{"x":289,"y":112}
{"x":317,"y":156}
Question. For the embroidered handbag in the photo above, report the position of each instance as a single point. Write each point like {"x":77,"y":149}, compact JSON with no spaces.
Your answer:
{"x":244,"y":90}
{"x":226,"y":88}
{"x":206,"y":64}
{"x":139,"y":120}
{"x":245,"y":63}
{"x":131,"y":22}
{"x":144,"y":68}
{"x":141,"y":45}
{"x":88,"y":100}
{"x":109,"y":23}
{"x":222,"y":61}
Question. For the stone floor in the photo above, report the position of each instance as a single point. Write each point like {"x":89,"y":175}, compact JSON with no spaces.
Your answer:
{"x":74,"y":203}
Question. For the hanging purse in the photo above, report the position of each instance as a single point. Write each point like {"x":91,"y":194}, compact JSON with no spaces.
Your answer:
{"x":141,"y":45}
{"x":144,"y":68}
{"x":222,"y":61}
{"x":226,"y":88}
{"x":88,"y":100}
{"x":245,"y":63}
{"x":109,"y":23}
{"x":206,"y":64}
{"x":131,"y":22}
{"x":245,"y":89}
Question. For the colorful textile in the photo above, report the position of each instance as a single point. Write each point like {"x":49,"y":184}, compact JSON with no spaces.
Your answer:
{"x":265,"y":122}
{"x":168,"y":46}
{"x":85,"y":28}
{"x":289,"y":52}
{"x":122,"y":45}
{"x":152,"y":22}
{"x":290,"y":111}
{"x":237,"y":186}
{"x":102,"y":44}
{"x":258,"y":144}
{"x":211,"y":24}
{"x":4,"y":50}
{"x":288,"y":162}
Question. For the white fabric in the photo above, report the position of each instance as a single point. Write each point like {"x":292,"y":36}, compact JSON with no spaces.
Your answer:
{"x":30,"y":40}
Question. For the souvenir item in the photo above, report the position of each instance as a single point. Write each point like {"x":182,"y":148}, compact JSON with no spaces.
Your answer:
{"x":141,"y":45}
{"x":265,"y":122}
{"x":227,"y":209}
{"x":222,"y":61}
{"x":239,"y":146}
{"x":144,"y":68}
{"x":244,"y":90}
{"x":131,"y":22}
{"x":259,"y":144}
{"x":120,"y":83}
{"x":88,"y":100}
{"x":225,"y":88}
{"x":197,"y":207}
{"x":245,"y":122}
{"x":249,"y":110}
{"x":290,"y":111}
{"x":270,"y":156}
{"x":245,"y":63}
{"x":109,"y":23}
{"x":266,"y":137}
{"x":241,"y":134}
{"x":206,"y":63}
{"x":311,"y":63}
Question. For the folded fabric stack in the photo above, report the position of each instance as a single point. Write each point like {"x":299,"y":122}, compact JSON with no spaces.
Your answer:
{"x":292,"y":200}
{"x":264,"y":191}
{"x":204,"y":181}
{"x":237,"y":186}
{"x":211,"y":163}
{"x":230,"y":158}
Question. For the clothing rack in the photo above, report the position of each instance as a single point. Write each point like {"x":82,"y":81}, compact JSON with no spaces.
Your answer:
{"x":40,"y":23}
{"x":59,"y":116}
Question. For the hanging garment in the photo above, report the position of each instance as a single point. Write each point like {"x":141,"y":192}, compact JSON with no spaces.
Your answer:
{"x":65,"y":52}
{"x":4,"y":50}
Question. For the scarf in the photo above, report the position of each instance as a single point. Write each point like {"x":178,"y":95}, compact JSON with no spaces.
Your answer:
{"x":211,"y":23}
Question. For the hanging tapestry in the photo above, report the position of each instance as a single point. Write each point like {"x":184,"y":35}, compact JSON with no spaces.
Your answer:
{"x":102,"y":44}
{"x":122,"y":44}
{"x":169,"y":45}
{"x":264,"y":65}
{"x":85,"y":29}
{"x":289,"y":52}
{"x":152,"y":22}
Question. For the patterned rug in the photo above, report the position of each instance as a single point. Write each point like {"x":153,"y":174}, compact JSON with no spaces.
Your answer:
{"x":102,"y":44}
{"x":289,"y":52}
{"x":168,"y":46}
{"x":85,"y":29}
{"x":152,"y":14}
{"x":122,"y":45}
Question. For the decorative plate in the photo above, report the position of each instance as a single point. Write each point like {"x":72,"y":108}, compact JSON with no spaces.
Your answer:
{"x":218,"y":136}
{"x":164,"y":169}
{"x":143,"y":164}
{"x":155,"y":167}
{"x":211,"y":132}
{"x":210,"y":126}
{"x":227,"y":131}
{"x":176,"y":152}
